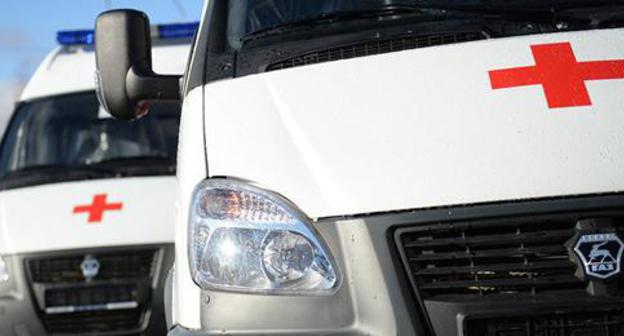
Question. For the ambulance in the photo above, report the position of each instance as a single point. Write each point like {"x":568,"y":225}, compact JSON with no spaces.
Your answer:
{"x":87,"y":202}
{"x":391,"y":167}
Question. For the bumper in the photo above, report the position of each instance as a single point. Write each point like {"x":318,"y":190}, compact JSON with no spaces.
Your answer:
{"x":22,"y":300}
{"x":18,"y":315}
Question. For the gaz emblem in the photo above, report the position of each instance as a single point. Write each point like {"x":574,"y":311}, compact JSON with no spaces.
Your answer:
{"x":90,"y":267}
{"x":600,"y":254}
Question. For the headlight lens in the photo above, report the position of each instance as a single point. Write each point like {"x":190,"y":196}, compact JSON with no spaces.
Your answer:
{"x":244,"y":238}
{"x":4,"y":271}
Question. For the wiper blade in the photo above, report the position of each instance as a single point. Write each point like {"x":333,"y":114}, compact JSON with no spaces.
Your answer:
{"x":145,"y":160}
{"x":540,"y":14}
{"x":328,"y":19}
{"x":57,"y":173}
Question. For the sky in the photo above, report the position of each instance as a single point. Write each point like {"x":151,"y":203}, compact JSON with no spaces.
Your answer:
{"x":28,"y":32}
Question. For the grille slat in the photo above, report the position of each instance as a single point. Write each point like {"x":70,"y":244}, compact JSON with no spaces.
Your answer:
{"x":485,"y":269}
{"x":503,"y":283}
{"x":490,"y":253}
{"x":375,"y":47}
{"x":501,"y":239}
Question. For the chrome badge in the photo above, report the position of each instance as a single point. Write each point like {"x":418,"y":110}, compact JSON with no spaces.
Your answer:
{"x":90,"y":267}
{"x":600,"y":254}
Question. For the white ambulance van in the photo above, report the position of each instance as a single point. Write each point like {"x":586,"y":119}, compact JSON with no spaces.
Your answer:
{"x":392,"y":167}
{"x":87,"y":202}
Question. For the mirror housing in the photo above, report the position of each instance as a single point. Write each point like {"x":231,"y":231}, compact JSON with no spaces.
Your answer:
{"x":125,"y":79}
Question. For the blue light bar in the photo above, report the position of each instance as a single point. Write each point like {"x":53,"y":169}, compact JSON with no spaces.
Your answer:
{"x":75,"y":37}
{"x":177,"y":30}
{"x":165,"y":31}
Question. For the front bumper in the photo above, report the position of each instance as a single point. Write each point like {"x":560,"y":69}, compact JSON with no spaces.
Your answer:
{"x":22,"y":312}
{"x":17,"y":311}
{"x":372,"y":298}
{"x":379,"y":296}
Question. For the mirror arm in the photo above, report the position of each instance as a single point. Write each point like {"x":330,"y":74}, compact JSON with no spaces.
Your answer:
{"x":146,"y":85}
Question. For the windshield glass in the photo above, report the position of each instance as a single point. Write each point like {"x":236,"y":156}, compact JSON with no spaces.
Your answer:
{"x":251,"y":16}
{"x":72,"y":131}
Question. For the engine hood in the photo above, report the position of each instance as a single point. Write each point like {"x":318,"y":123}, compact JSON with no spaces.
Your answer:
{"x":429,"y":127}
{"x":86,"y":214}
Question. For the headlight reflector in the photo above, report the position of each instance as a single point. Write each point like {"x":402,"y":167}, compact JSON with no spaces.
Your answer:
{"x":244,"y":238}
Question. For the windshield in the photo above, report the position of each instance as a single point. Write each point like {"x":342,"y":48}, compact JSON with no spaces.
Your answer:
{"x":251,"y":16}
{"x":72,"y":132}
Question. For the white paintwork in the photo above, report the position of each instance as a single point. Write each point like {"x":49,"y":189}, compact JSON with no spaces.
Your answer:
{"x":418,"y":128}
{"x":72,"y":69}
{"x":41,"y":218}
{"x":191,"y":171}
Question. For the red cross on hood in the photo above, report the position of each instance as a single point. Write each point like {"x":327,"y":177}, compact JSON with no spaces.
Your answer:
{"x":559,"y":73}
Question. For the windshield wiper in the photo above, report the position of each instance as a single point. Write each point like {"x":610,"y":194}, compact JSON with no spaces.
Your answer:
{"x":541,"y":14}
{"x":139,"y":165}
{"x":56,"y":169}
{"x":145,"y":160}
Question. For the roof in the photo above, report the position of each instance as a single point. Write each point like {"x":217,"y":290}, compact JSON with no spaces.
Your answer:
{"x":71,"y":69}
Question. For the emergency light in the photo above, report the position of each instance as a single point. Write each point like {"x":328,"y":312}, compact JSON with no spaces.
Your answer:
{"x":165,"y":31}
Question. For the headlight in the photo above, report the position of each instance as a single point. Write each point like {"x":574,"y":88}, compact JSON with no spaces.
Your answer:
{"x":4,"y":271}
{"x":244,"y":238}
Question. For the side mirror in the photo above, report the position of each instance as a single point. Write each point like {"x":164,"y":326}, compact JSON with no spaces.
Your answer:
{"x":125,"y":79}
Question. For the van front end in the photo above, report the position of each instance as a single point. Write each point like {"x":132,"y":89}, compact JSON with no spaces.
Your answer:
{"x":397,"y":168}
{"x":70,"y":272}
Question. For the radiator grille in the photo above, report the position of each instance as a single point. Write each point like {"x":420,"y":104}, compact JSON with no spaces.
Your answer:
{"x":115,"y":300}
{"x":91,"y":295}
{"x":122,"y":265}
{"x":93,"y":322}
{"x":374,"y":48}
{"x":593,"y":323}
{"x":493,"y":257}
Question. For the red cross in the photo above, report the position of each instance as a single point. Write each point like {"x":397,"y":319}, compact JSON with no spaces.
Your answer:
{"x":561,"y":76}
{"x":97,"y":208}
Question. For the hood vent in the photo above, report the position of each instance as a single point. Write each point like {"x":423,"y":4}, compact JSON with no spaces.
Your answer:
{"x":375,"y":47}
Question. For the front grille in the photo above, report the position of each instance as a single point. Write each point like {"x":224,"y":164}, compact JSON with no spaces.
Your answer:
{"x":91,"y":295}
{"x":120,"y":265}
{"x":115,"y":300}
{"x":374,"y":48}
{"x":508,"y":256}
{"x":593,"y":323}
{"x":94,"y":321}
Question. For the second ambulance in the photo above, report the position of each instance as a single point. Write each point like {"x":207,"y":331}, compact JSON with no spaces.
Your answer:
{"x":392,"y":167}
{"x":87,"y":202}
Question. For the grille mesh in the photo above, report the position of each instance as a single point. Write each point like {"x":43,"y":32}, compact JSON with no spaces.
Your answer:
{"x":374,"y":48}
{"x":495,"y":257}
{"x":123,"y":265}
{"x":97,"y":321}
{"x":607,"y":323}
{"x":124,"y":276}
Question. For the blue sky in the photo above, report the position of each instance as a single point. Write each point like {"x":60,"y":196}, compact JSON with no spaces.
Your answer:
{"x":28,"y":27}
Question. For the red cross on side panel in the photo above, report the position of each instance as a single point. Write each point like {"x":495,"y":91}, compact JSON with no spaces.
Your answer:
{"x":97,"y":208}
{"x":559,"y":73}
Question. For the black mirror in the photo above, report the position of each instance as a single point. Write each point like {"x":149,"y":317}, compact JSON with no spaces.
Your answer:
{"x":126,"y":81}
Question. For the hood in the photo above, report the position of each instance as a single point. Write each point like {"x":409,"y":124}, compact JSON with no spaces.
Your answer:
{"x":493,"y":120}
{"x":86,"y":214}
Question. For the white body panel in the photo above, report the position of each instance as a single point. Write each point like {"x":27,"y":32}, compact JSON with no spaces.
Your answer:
{"x":42,"y":218}
{"x":191,"y":171}
{"x":419,"y":128}
{"x":72,"y":69}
